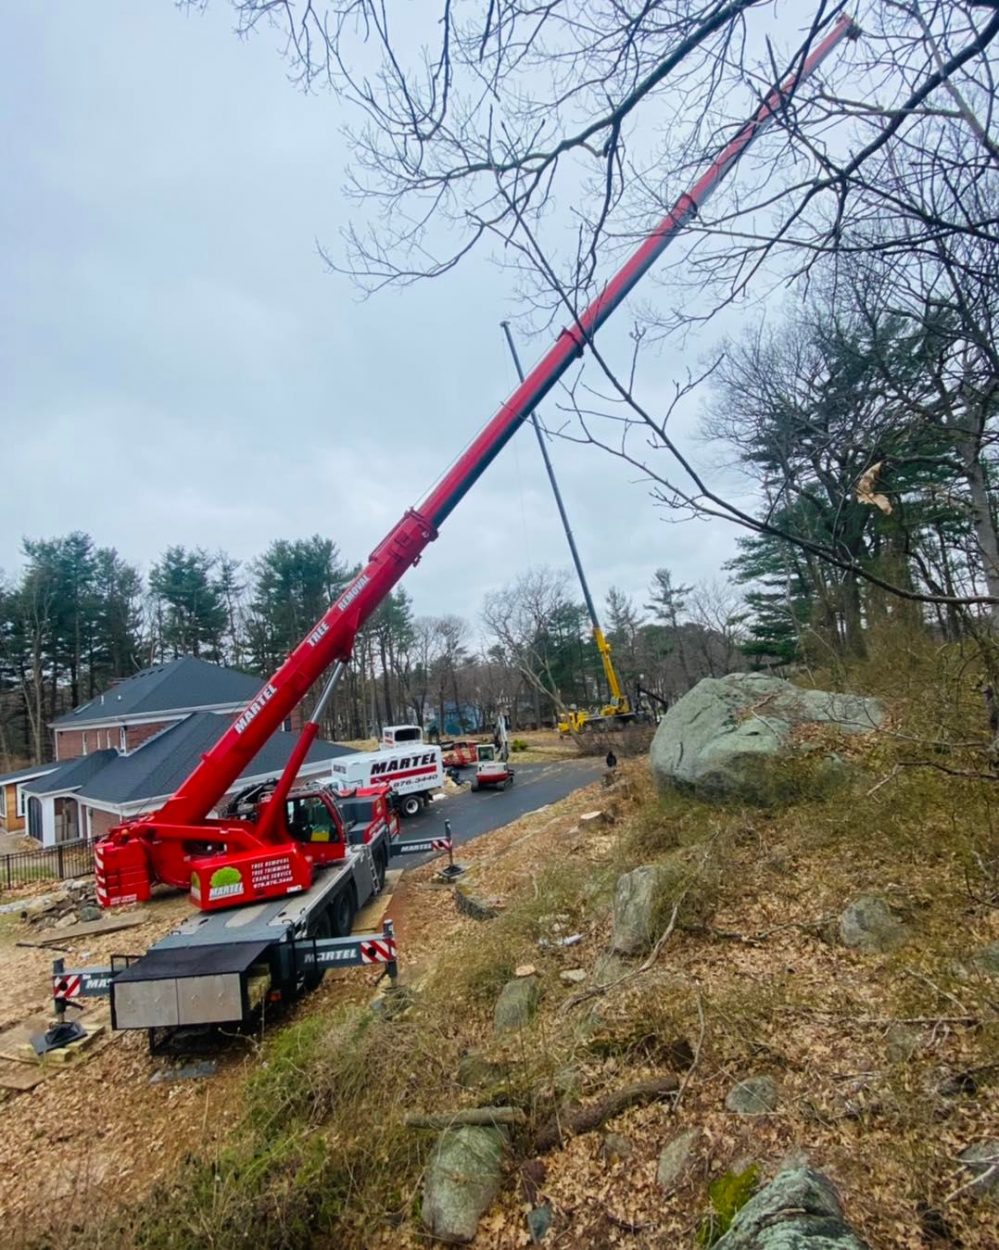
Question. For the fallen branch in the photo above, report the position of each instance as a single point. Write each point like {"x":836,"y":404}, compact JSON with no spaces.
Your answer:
{"x":697,"y":1054}
{"x":627,"y":1226}
{"x":980,"y":1179}
{"x":472,"y":1115}
{"x":578,"y":1120}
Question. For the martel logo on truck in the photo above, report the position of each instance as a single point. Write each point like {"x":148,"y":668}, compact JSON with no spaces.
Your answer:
{"x":263,"y":698}
{"x":379,"y":767}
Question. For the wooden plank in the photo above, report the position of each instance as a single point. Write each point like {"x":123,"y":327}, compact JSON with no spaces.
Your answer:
{"x":90,"y":928}
{"x":20,"y":1078}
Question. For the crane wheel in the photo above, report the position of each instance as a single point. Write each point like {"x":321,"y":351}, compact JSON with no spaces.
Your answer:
{"x":321,"y":929}
{"x":342,"y":913}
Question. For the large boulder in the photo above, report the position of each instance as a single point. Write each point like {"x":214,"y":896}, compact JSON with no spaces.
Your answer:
{"x":462,"y":1179}
{"x":733,"y":737}
{"x":798,"y":1209}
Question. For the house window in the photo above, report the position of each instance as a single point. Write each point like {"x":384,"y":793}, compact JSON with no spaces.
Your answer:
{"x":3,"y":802}
{"x":122,"y":744}
{"x":83,"y":743}
{"x":20,"y":802}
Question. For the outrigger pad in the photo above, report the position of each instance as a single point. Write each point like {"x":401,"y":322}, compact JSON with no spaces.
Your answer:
{"x":58,"y":1036}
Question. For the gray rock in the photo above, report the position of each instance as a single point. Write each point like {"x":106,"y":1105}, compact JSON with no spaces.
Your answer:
{"x":635,"y":900}
{"x":539,"y":1221}
{"x":676,"y":1159}
{"x":470,"y":905}
{"x":615,"y":1147}
{"x":462,"y":1179}
{"x":517,"y":1003}
{"x":573,"y":976}
{"x":729,"y":736}
{"x":756,"y":1095}
{"x":88,"y":912}
{"x":987,"y":960}
{"x":982,"y":1160}
{"x":796,"y":1210}
{"x":869,"y":924}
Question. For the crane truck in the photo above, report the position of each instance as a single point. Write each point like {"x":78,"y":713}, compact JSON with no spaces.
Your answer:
{"x":269,"y":896}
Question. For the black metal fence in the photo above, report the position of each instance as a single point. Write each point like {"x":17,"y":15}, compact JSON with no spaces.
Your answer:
{"x":68,"y":859}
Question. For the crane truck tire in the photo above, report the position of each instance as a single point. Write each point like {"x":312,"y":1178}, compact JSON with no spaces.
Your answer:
{"x":342,"y":913}
{"x":322,"y":928}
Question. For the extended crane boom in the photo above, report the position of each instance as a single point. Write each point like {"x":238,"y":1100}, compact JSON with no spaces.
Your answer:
{"x":183,"y":821}
{"x":572,"y":721}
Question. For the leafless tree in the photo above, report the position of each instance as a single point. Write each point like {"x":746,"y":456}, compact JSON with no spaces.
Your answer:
{"x":472,"y":120}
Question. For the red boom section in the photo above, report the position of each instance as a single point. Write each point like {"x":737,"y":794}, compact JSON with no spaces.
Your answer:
{"x":332,"y":638}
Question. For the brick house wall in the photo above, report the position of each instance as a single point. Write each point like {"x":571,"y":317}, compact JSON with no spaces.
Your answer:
{"x":69,"y":743}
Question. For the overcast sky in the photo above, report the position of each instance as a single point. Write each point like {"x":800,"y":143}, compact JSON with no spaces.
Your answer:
{"x":178,"y":365}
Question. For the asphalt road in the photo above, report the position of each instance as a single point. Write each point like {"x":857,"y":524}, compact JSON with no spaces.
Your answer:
{"x":472,"y":815}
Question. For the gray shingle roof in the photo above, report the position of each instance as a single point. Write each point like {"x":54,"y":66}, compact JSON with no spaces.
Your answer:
{"x":22,"y":774}
{"x":159,"y":767}
{"x":178,"y":685}
{"x":71,"y":774}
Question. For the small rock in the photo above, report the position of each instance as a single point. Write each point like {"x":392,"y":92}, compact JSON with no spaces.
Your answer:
{"x":901,"y":1043}
{"x":676,"y":1159}
{"x":987,"y":960}
{"x":539,"y":1221}
{"x":66,"y":922}
{"x":524,"y":970}
{"x":591,"y":818}
{"x":462,"y":1179}
{"x":982,"y":1161}
{"x":756,"y":1095}
{"x":869,"y":924}
{"x":573,"y":976}
{"x":517,"y":1003}
{"x":477,"y":908}
{"x":615,"y":1147}
{"x":87,"y":912}
{"x":797,"y":1209}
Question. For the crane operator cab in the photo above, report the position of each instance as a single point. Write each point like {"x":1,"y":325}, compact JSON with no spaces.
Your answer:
{"x":311,"y":822}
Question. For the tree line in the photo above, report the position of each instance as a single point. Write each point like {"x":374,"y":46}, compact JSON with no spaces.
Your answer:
{"x":79,"y":618}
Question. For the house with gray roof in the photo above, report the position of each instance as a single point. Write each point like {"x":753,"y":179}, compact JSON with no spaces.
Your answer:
{"x":137,"y":743}
{"x":138,"y":708}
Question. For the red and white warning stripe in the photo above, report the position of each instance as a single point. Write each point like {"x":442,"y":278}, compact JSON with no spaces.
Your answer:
{"x":66,"y":985}
{"x":378,"y":951}
{"x":441,"y":844}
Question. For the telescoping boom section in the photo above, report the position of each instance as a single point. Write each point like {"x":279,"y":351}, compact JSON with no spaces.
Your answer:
{"x":162,"y":844}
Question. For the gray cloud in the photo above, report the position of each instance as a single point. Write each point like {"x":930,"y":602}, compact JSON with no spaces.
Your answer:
{"x":179,"y":366}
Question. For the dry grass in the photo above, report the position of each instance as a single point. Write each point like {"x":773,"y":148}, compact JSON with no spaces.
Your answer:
{"x":882,"y":1061}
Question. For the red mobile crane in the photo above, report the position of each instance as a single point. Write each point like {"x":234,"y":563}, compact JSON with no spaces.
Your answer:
{"x":256,"y":856}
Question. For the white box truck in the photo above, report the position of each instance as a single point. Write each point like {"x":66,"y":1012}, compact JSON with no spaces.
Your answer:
{"x":414,"y":771}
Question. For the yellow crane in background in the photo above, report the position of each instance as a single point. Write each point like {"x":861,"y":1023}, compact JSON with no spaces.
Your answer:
{"x":618,"y":710}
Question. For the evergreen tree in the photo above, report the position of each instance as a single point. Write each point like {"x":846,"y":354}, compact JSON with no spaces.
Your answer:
{"x":294,"y":582}
{"x":191,"y":610}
